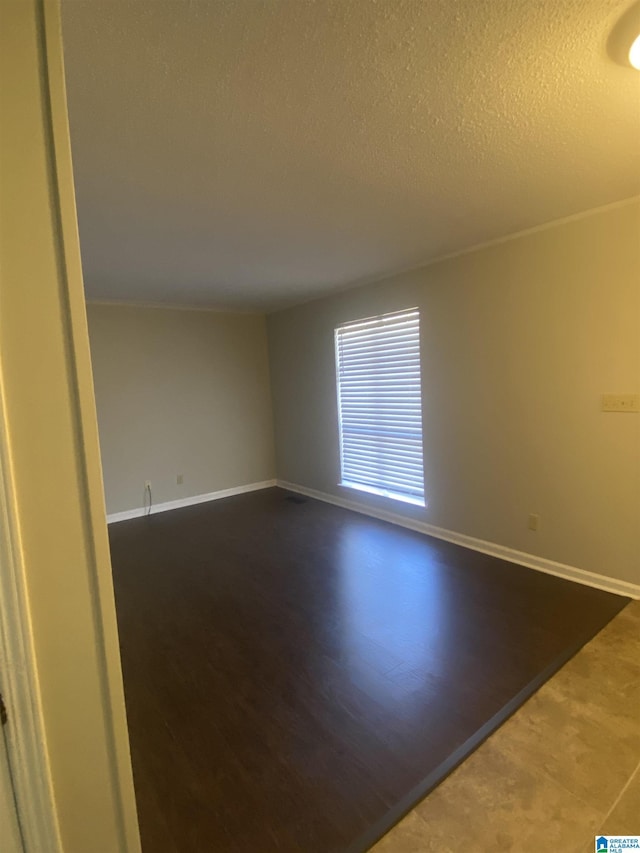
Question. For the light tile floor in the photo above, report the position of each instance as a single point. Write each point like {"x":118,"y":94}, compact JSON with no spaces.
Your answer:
{"x":564,"y":768}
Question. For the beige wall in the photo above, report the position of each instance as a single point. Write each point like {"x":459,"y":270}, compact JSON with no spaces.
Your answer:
{"x":519,"y":340}
{"x":53,"y":449}
{"x":180,"y":392}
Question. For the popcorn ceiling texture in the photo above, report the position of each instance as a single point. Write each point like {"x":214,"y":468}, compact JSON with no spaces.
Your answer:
{"x":250,"y":154}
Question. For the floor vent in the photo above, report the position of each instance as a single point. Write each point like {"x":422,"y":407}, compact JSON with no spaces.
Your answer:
{"x":295,"y":499}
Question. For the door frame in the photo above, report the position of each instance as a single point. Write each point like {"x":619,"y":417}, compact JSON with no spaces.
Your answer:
{"x":25,"y":732}
{"x":80,"y":793}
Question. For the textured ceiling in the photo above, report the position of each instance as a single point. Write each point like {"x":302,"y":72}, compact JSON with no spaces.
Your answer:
{"x":255,"y":153}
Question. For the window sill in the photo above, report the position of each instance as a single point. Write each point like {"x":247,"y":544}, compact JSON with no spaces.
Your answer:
{"x":372,"y":490}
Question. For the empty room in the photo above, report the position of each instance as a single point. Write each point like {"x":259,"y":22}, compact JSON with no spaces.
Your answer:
{"x":335,"y":380}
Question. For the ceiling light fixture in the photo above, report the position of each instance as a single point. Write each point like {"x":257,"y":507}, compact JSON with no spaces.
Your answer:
{"x":634,"y":53}
{"x":623,"y":44}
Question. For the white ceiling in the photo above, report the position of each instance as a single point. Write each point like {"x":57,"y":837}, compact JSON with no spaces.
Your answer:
{"x":251,"y":154}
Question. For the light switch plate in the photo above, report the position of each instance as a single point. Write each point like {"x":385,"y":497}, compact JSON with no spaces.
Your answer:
{"x":621,"y":402}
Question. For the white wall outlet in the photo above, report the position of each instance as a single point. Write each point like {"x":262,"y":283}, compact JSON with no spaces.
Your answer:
{"x":534,"y":521}
{"x":147,"y":484}
{"x":621,"y":402}
{"x":179,"y":479}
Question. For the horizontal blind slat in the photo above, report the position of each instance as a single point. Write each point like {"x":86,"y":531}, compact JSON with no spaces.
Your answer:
{"x":348,"y":348}
{"x":389,"y":454}
{"x":378,"y":323}
{"x":381,"y":474}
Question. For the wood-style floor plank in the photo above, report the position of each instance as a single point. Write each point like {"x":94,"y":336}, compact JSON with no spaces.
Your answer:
{"x":293,"y":671}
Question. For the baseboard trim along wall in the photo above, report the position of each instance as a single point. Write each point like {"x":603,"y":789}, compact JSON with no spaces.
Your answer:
{"x":522,"y":558}
{"x":530,"y":561}
{"x":194,"y":499}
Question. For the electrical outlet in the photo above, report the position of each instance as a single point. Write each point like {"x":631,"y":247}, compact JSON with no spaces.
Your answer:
{"x":179,"y":479}
{"x":621,"y":402}
{"x":147,"y":484}
{"x":534,"y":521}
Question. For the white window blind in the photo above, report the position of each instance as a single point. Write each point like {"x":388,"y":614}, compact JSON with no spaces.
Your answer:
{"x":380,"y":405}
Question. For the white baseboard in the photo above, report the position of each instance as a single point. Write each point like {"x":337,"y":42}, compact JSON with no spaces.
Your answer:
{"x":195,"y":499}
{"x":531,"y":561}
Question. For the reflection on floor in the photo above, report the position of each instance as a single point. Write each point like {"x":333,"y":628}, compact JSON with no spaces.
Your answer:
{"x":564,"y":768}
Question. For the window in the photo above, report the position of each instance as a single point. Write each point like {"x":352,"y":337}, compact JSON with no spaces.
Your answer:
{"x":380,"y":405}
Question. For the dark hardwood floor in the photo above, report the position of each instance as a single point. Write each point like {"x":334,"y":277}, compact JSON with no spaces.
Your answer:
{"x":297,"y":675}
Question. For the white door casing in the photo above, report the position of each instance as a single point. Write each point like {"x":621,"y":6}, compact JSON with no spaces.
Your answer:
{"x":10,"y":834}
{"x":23,"y":748}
